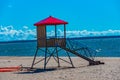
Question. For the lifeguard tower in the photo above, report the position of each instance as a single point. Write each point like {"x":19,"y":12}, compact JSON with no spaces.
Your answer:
{"x":43,"y":41}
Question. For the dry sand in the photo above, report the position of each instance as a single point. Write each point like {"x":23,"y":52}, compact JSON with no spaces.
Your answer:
{"x":109,"y":71}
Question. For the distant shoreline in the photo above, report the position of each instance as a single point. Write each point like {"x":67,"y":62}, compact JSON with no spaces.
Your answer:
{"x":81,"y":38}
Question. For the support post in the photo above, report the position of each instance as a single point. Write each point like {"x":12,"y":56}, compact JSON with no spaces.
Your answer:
{"x":65,"y":35}
{"x":57,"y":57}
{"x":34,"y":58}
{"x":56,"y":44}
{"x":45,"y":49}
{"x":70,"y":59}
{"x":45,"y":61}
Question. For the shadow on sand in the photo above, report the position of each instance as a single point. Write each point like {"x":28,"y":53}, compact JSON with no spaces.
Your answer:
{"x":40,"y":70}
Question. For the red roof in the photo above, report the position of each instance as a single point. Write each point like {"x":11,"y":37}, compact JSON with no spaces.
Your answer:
{"x":50,"y":21}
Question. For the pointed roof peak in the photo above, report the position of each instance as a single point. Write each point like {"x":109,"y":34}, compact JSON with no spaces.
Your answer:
{"x":50,"y":21}
{"x":50,"y":16}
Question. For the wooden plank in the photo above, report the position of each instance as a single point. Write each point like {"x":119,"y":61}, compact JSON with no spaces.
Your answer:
{"x":41,"y":36}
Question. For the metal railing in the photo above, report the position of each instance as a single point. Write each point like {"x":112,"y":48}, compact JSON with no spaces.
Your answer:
{"x":81,"y":48}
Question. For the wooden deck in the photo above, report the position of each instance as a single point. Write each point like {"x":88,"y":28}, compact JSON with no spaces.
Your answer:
{"x":52,"y":42}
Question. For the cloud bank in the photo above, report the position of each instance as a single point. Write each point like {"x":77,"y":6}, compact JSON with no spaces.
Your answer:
{"x":8,"y":33}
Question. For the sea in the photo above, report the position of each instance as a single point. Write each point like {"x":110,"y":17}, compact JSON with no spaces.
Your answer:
{"x":105,"y":46}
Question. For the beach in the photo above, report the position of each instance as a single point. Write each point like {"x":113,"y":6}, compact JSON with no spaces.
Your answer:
{"x":109,"y":71}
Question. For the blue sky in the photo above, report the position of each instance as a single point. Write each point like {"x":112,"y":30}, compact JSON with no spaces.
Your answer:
{"x":90,"y":15}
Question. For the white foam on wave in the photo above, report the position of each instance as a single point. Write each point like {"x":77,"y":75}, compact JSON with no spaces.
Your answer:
{"x":98,"y":50}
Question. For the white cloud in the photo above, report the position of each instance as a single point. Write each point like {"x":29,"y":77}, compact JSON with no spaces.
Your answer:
{"x":25,"y":27}
{"x":86,"y":33}
{"x":8,"y":33}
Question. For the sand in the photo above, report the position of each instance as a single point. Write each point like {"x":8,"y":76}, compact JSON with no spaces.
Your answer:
{"x":109,"y":71}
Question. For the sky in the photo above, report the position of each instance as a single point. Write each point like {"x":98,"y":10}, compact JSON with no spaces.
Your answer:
{"x":85,"y":17}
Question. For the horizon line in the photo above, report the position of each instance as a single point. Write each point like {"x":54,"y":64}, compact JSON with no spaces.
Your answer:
{"x":82,"y":38}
